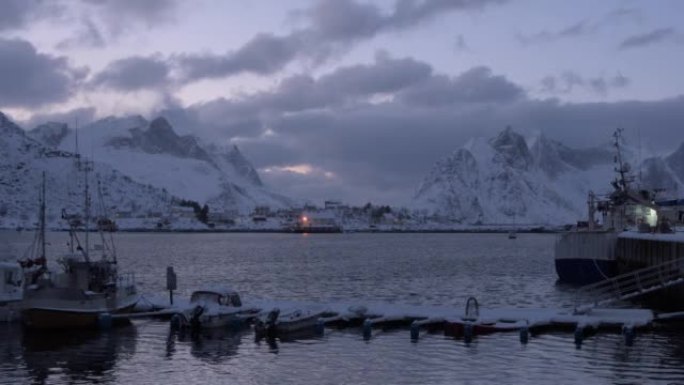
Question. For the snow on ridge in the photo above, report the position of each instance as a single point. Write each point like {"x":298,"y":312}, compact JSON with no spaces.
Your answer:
{"x":511,"y":179}
{"x":151,"y":152}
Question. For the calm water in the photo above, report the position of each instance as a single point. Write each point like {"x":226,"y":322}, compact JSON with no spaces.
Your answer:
{"x":440,"y":269}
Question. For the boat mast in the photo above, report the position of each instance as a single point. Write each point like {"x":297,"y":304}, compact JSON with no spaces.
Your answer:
{"x":42,"y":218}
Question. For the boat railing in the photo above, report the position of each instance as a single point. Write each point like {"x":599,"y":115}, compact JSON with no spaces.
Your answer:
{"x":630,"y":285}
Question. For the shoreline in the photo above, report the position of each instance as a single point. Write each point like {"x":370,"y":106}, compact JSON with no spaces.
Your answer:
{"x":364,"y":231}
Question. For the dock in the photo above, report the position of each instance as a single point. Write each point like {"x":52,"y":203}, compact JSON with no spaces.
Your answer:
{"x":466,"y":324}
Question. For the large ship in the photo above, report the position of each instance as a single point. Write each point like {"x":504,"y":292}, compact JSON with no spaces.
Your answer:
{"x":597,"y":250}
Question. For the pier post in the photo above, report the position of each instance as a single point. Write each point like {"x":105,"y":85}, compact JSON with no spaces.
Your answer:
{"x":171,"y":282}
{"x":629,"y":334}
{"x":415,"y":331}
{"x":320,"y":327}
{"x":468,"y":332}
{"x":367,"y":329}
{"x":524,"y":335}
{"x":579,"y":336}
{"x":104,"y":321}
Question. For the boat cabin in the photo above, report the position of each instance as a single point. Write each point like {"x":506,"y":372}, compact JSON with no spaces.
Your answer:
{"x":221,"y":297}
{"x":11,"y":282}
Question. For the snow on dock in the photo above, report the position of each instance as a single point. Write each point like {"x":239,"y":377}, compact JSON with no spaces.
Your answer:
{"x":453,"y":321}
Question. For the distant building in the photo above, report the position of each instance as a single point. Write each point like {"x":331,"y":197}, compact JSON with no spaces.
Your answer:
{"x":333,"y":205}
{"x":224,"y":218}
{"x":263,"y":211}
{"x":318,"y":222}
{"x":182,"y":212}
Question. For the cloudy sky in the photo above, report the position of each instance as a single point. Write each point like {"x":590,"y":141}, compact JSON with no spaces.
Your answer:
{"x":351,"y":99}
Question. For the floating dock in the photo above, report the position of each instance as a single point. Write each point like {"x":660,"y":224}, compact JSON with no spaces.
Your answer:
{"x":460,"y":323}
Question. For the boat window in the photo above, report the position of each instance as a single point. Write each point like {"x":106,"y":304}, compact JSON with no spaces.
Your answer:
{"x":207,"y":297}
{"x":235,"y":300}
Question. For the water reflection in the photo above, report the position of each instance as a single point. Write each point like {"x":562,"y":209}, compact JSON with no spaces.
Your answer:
{"x":76,"y":356}
{"x":213,"y":346}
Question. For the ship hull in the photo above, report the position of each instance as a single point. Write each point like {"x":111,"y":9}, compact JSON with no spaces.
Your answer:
{"x":583,"y":271}
{"x":37,"y":318}
{"x":584,"y":257}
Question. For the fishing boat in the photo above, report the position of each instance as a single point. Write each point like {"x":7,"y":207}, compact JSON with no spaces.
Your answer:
{"x":214,"y":307}
{"x":85,"y":288}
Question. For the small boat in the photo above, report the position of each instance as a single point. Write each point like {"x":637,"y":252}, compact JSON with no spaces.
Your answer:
{"x":11,"y":291}
{"x":512,"y":235}
{"x":456,"y":328}
{"x":214,"y":308}
{"x":277,"y":324}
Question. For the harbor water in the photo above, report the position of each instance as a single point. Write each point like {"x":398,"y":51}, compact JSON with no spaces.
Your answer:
{"x":420,"y":269}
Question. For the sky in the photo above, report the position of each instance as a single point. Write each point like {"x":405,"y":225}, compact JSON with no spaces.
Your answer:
{"x":351,"y":99}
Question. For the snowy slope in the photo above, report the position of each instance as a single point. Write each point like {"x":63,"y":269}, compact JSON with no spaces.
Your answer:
{"x":152,"y":153}
{"x":509,"y":179}
{"x":22,"y":162}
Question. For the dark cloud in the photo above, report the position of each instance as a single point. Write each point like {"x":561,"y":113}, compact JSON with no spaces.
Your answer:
{"x":30,"y":79}
{"x":583,"y":27}
{"x":98,"y":22}
{"x":16,"y":14}
{"x":385,"y":150}
{"x":649,"y":38}
{"x":345,"y":85}
{"x":332,"y":24}
{"x":477,"y":85}
{"x":569,"y":81}
{"x":586,"y":27}
{"x":80,"y":116}
{"x":263,"y":54}
{"x":345,"y":20}
{"x":121,"y":13}
{"x":133,"y":73}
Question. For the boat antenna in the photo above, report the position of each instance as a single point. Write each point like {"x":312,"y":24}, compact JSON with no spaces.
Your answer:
{"x":622,"y":168}
{"x":87,"y":167}
{"x":639,"y":157}
{"x":78,"y":155}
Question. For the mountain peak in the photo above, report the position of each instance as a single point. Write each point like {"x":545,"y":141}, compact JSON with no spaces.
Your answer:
{"x":511,"y":148}
{"x":50,"y":133}
{"x":7,"y":125}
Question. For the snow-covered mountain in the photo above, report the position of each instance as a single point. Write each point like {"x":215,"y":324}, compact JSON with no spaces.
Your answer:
{"x":22,"y":163}
{"x":509,"y":179}
{"x":152,"y":153}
